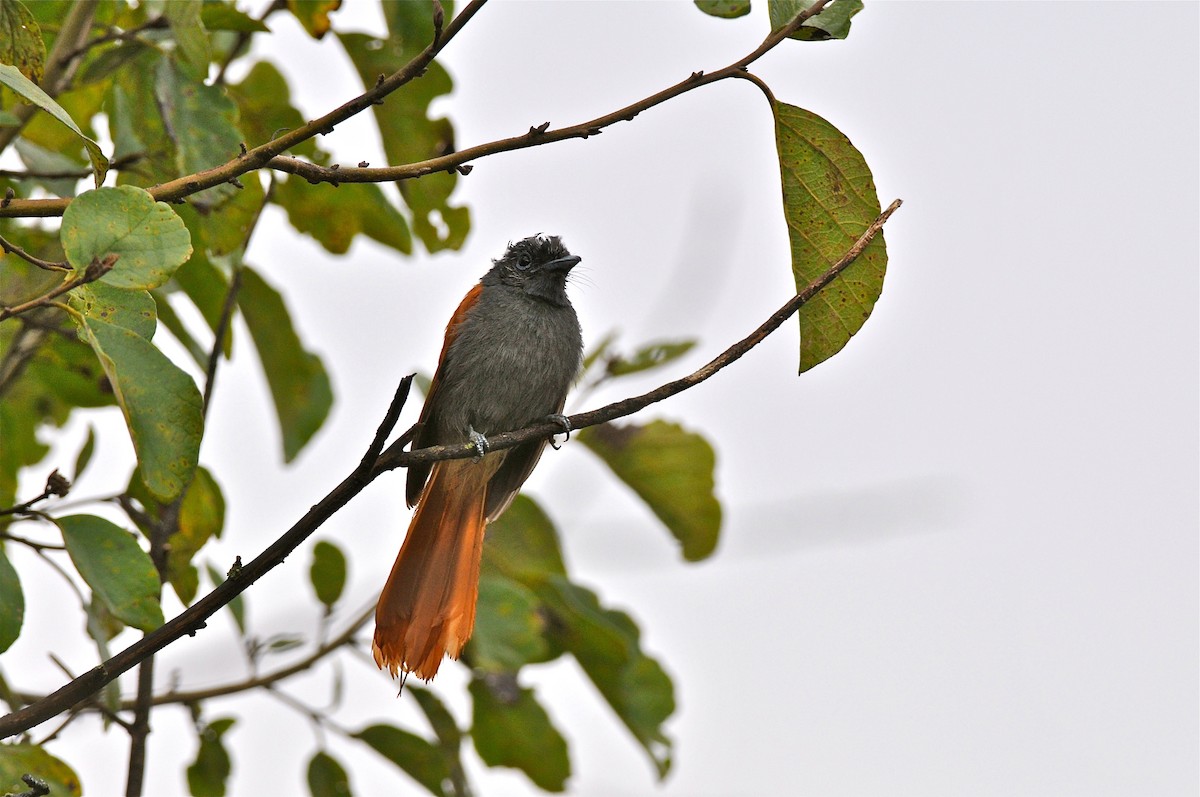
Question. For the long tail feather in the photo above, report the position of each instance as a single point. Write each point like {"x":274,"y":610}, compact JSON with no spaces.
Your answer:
{"x":427,"y":608}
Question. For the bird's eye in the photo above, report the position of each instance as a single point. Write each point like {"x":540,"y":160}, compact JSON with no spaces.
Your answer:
{"x":523,"y":262}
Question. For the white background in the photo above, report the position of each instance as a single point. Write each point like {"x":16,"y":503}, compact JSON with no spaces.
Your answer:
{"x":959,"y":558}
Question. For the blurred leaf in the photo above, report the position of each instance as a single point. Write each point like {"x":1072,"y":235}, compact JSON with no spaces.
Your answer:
{"x":18,"y":430}
{"x":219,"y":16}
{"x":416,"y":756}
{"x":190,"y":36}
{"x":298,"y":382}
{"x":650,"y":356}
{"x":516,"y":732}
{"x":150,"y":238}
{"x":523,"y":543}
{"x":202,"y":282}
{"x":726,"y":9}
{"x":670,"y":469}
{"x":202,"y":121}
{"x":599,"y":351}
{"x":440,"y":719}
{"x":85,"y":454}
{"x":263,"y":99}
{"x":333,"y":216}
{"x":66,"y":369}
{"x":161,"y":404}
{"x":129,"y":309}
{"x":508,"y":629}
{"x":606,"y":644}
{"x":13,"y":601}
{"x":282,"y":643}
{"x":108,"y":61}
{"x":11,"y":77}
{"x":39,"y":160}
{"x":201,"y":517}
{"x":21,"y":41}
{"x":326,"y":777}
{"x":832,"y":23}
{"x":115,"y":567}
{"x":408,"y":134}
{"x":328,"y":572}
{"x":206,"y":775}
{"x":174,"y":324}
{"x":137,"y":123}
{"x":828,"y":201}
{"x":227,"y":227}
{"x":102,"y":626}
{"x":20,"y":759}
{"x":237,"y":606}
{"x":314,"y":14}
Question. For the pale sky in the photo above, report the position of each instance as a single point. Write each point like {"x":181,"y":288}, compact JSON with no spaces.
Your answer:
{"x":960,"y":558}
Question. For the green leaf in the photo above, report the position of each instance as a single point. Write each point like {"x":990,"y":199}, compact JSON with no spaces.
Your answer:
{"x":85,"y":454}
{"x":314,"y":14}
{"x":11,"y":77}
{"x":832,"y":23}
{"x":511,"y":729}
{"x":263,"y":99}
{"x":441,"y":720}
{"x":161,"y":404}
{"x":523,"y":543}
{"x":650,"y":356}
{"x":202,"y":121}
{"x":13,"y":601}
{"x":201,"y":517}
{"x":218,"y":16}
{"x":829,"y":200}
{"x":174,"y":324}
{"x":119,"y":572}
{"x":670,"y":469}
{"x":206,"y":775}
{"x":326,"y":777}
{"x":298,"y":382}
{"x":408,"y":134}
{"x":328,"y":572}
{"x":21,"y":40}
{"x":186,"y":24}
{"x":150,"y":238}
{"x":423,"y":761}
{"x":21,"y":759}
{"x":333,"y":216}
{"x":129,"y":309}
{"x":726,"y":9}
{"x":606,"y":644}
{"x":237,"y":606}
{"x":508,"y":627}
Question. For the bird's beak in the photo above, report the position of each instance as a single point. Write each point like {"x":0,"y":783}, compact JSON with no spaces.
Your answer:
{"x":563,"y":263}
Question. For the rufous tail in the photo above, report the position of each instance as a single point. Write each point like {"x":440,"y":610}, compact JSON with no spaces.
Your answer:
{"x":427,"y":608}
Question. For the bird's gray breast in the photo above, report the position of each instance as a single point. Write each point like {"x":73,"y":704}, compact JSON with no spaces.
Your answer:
{"x":512,"y":362}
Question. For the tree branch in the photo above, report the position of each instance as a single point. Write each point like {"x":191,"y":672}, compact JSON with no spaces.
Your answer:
{"x":372,"y":465}
{"x":48,"y":265}
{"x":257,"y":158}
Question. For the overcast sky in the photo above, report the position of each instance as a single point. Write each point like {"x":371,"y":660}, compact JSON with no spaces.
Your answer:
{"x":960,"y":558}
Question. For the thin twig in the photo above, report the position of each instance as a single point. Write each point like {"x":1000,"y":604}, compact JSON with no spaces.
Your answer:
{"x":67,"y":174}
{"x":94,"y":271}
{"x":48,"y":265}
{"x":243,"y":38}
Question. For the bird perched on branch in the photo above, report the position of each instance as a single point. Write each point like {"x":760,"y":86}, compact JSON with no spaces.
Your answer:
{"x":513,"y":348}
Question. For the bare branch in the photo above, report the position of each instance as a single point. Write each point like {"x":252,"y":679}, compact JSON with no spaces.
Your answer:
{"x":48,"y":265}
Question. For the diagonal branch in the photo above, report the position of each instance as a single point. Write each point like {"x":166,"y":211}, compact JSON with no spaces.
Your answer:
{"x":257,"y":158}
{"x":94,"y":271}
{"x":372,"y":465}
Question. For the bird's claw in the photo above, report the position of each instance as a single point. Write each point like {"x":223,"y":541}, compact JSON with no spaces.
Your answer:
{"x":481,"y":444}
{"x":565,"y":423}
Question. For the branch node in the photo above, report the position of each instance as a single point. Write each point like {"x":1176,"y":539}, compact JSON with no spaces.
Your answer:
{"x":537,"y":131}
{"x":9,"y":194}
{"x":242,"y":148}
{"x":379,"y":80}
{"x":363,"y":164}
{"x":439,"y":17}
{"x":235,"y":182}
{"x":696,"y":75}
{"x":465,"y":169}
{"x":235,"y":569}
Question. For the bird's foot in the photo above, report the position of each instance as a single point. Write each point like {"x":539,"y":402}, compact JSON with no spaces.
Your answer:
{"x":565,"y":423}
{"x":481,"y":444}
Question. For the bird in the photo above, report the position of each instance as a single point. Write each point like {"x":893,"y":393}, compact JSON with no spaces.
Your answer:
{"x":512,"y":351}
